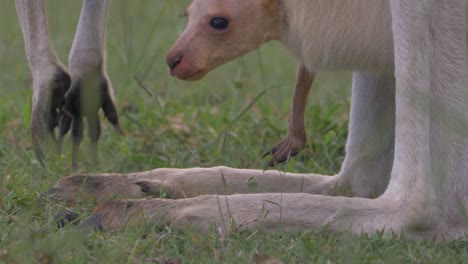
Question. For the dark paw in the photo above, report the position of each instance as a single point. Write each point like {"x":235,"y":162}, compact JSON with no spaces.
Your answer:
{"x":149,"y":187}
{"x":51,"y":194}
{"x":45,"y":118}
{"x":65,"y":217}
{"x":93,"y":223}
{"x":280,"y":153}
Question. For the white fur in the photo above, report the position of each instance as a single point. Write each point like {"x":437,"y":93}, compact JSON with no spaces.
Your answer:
{"x":365,"y":27}
{"x":88,"y":46}
{"x":87,"y":51}
{"x":42,"y":59}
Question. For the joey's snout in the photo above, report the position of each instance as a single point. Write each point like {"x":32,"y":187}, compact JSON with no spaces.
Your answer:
{"x":184,"y":65}
{"x":173,"y":61}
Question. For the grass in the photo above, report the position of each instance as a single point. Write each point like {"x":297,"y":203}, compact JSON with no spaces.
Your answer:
{"x":238,"y":108}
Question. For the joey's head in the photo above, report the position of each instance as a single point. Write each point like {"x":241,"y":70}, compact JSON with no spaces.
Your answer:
{"x":218,"y":31}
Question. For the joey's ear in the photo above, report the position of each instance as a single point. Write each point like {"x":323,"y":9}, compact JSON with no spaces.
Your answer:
{"x":273,"y":17}
{"x":271,"y":7}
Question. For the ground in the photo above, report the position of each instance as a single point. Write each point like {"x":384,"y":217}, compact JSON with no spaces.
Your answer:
{"x":241,"y":107}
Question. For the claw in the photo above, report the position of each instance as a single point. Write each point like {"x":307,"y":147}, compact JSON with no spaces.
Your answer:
{"x":149,"y":187}
{"x":50,"y":194}
{"x":77,"y":137}
{"x":46,"y":111}
{"x":108,"y":106}
{"x":111,"y":112}
{"x":64,"y":217}
{"x":75,"y":151}
{"x":94,"y":223}
{"x":275,"y":161}
{"x":38,"y":152}
{"x":119,"y":129}
{"x":270,"y":152}
{"x":282,"y":151}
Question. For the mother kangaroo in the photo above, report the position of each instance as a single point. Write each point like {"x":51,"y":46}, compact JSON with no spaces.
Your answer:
{"x":408,"y":131}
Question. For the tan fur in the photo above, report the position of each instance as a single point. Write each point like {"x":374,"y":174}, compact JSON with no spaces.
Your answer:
{"x":271,"y":7}
{"x":204,"y":52}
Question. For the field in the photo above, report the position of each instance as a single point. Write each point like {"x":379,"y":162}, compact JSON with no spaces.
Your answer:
{"x":230,"y":118}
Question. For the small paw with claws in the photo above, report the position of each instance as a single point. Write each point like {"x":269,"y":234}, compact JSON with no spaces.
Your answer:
{"x":286,"y":148}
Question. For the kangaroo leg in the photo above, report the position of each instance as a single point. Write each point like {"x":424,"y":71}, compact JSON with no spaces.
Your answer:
{"x":370,"y":146}
{"x":366,"y":168}
{"x":268,"y":212}
{"x":50,"y":78}
{"x":91,"y":89}
{"x":296,"y":138}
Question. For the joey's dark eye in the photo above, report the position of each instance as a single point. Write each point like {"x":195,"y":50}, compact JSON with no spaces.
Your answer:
{"x":219,"y":23}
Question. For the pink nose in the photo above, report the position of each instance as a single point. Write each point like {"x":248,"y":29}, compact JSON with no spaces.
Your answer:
{"x":174,"y":61}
